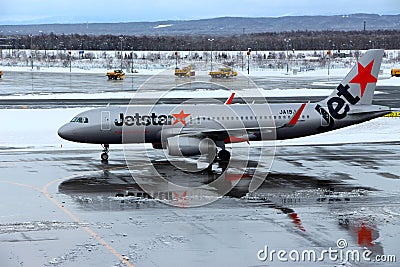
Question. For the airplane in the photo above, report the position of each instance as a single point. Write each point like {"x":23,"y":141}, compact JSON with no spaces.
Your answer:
{"x":197,"y":128}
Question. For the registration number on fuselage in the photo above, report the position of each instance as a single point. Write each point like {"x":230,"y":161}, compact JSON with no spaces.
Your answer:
{"x":287,"y":112}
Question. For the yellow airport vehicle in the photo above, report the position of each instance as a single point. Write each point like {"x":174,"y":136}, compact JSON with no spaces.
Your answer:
{"x":395,"y":72}
{"x":393,"y":114}
{"x":223,"y":73}
{"x":115,"y":75}
{"x":184,"y":72}
{"x":1,"y":73}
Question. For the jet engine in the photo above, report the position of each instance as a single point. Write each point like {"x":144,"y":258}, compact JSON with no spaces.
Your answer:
{"x":189,"y":146}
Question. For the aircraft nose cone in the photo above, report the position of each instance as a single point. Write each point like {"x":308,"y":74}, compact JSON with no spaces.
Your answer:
{"x":66,"y":132}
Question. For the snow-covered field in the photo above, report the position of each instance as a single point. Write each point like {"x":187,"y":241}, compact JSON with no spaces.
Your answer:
{"x":152,"y":62}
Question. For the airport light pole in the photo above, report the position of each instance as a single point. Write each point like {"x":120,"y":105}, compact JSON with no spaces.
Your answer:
{"x":70,"y":60}
{"x":248,"y":60}
{"x":287,"y":54}
{"x":121,"y":38}
{"x":241,"y":55}
{"x":329,"y":55}
{"x":132,"y":61}
{"x":176,"y":59}
{"x":211,"y":40}
{"x":30,"y":35}
{"x":350,"y":48}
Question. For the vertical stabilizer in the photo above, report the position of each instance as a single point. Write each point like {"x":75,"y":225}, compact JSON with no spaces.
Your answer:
{"x":358,"y":86}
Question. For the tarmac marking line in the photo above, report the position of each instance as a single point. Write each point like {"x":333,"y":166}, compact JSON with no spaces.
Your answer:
{"x":44,"y":191}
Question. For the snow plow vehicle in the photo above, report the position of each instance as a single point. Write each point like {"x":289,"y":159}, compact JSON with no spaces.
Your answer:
{"x":184,"y":72}
{"x":395,"y":72}
{"x":115,"y":75}
{"x":223,"y":73}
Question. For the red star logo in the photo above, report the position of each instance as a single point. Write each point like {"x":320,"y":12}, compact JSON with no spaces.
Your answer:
{"x":364,"y":76}
{"x":180,"y":117}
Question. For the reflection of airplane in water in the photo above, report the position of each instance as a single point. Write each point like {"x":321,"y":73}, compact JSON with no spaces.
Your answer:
{"x":363,"y":231}
{"x":194,"y":129}
{"x":114,"y":189}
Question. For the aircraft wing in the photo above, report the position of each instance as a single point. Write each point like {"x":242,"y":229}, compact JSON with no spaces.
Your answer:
{"x":224,"y":134}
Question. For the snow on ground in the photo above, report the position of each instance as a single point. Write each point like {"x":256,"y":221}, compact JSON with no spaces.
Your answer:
{"x":392,"y":81}
{"x":335,"y":75}
{"x":162,"y":26}
{"x":101,"y":71}
{"x":172,"y":94}
{"x":35,"y":128}
{"x":383,"y":129}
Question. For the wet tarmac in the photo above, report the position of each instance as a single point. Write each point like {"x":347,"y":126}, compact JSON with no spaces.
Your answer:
{"x":64,"y":207}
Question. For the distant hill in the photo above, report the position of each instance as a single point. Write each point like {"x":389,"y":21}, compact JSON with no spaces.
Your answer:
{"x":215,"y":26}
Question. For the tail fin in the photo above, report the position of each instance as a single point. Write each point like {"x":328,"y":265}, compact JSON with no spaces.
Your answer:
{"x":359,"y":84}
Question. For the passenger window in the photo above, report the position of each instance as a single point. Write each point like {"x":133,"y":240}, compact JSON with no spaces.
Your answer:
{"x":80,"y":120}
{"x":85,"y":120}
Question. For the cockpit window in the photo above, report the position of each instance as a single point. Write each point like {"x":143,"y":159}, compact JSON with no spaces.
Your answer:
{"x":80,"y":119}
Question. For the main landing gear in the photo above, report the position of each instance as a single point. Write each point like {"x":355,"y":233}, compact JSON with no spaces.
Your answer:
{"x":224,"y":155}
{"x":104,"y":155}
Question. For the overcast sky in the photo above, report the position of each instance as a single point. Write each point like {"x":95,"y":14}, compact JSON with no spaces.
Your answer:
{"x":67,"y":11}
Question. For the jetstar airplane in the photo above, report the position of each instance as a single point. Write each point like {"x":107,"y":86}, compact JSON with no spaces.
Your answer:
{"x":183,"y":129}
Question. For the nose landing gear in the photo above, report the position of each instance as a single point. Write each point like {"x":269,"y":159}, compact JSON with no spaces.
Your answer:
{"x":104,"y":155}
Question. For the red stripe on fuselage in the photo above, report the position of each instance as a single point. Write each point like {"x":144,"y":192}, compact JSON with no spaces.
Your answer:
{"x":229,"y":101}
{"x":296,"y":116}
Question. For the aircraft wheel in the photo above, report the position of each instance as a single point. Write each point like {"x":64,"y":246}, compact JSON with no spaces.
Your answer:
{"x":104,"y":156}
{"x":224,"y":155}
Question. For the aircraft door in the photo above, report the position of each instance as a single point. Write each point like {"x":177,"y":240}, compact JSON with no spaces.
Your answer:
{"x":325,"y":117}
{"x":105,"y":121}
